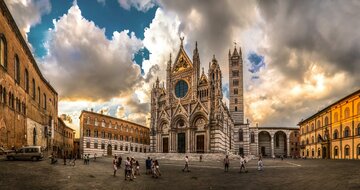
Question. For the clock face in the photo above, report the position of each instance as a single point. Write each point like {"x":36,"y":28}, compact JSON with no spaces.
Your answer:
{"x":181,"y":89}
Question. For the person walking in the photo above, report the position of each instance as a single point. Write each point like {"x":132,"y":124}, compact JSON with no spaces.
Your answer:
{"x":95,"y":157}
{"x":226,"y":163}
{"x":114,"y":165}
{"x":242,"y":164}
{"x":186,"y":164}
{"x":137,"y":168}
{"x":127,"y":169}
{"x":148,"y":165}
{"x":260,"y":164}
{"x":119,"y":161}
{"x":157,"y":169}
{"x":132,"y":164}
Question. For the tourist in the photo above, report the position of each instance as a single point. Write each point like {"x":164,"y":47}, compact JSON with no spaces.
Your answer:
{"x":114,"y":165}
{"x":132,"y":165}
{"x":226,"y":163}
{"x":88,"y":159}
{"x":119,"y":161}
{"x":260,"y":164}
{"x":186,"y":164}
{"x":148,"y":165}
{"x":157,"y":169}
{"x":153,"y":169}
{"x":127,"y":169}
{"x":137,"y":168}
{"x":242,"y":164}
{"x":95,"y":157}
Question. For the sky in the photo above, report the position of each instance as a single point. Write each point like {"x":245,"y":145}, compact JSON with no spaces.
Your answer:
{"x":299,"y":56}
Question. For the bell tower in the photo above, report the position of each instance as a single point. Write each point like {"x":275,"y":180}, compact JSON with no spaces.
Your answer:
{"x":236,"y":90}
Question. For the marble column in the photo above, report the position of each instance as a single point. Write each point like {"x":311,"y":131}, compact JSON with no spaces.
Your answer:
{"x":272,"y":145}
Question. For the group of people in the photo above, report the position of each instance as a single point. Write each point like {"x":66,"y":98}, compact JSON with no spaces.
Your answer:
{"x":242,"y":164}
{"x":86,"y":158}
{"x":132,"y":167}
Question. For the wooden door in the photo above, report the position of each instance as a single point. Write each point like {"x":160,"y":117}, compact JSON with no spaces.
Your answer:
{"x":200,"y":144}
{"x":166,"y":145}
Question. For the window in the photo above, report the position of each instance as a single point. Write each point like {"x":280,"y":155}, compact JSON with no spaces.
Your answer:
{"x":347,"y":148}
{"x":241,"y":137}
{"x":109,"y":136}
{"x":235,"y":91}
{"x":26,"y":80}
{"x":326,"y":121}
{"x":96,"y":122}
{"x":318,"y":124}
{"x":17,"y":69}
{"x":307,"y":128}
{"x":235,"y":108}
{"x":235,"y":73}
{"x":115,"y":147}
{"x":312,"y":152}
{"x":252,"y":137}
{"x":236,"y":100}
{"x":102,"y":134}
{"x":102,"y":145}
{"x":121,"y":147}
{"x":347,"y":112}
{"x":336,"y":117}
{"x":88,"y":120}
{"x":312,"y":139}
{"x":39,"y":95}
{"x":96,"y":133}
{"x":235,"y":82}
{"x":336,"y":153}
{"x":88,"y":133}
{"x":181,"y":89}
{"x":33,"y":89}
{"x":96,"y":145}
{"x":312,"y":127}
{"x":335,"y":134}
{"x":44,"y":101}
{"x":307,"y":141}
{"x":347,"y":132}
{"x":87,"y":144}
{"x":3,"y":51}
{"x":358,"y":129}
{"x":121,"y":137}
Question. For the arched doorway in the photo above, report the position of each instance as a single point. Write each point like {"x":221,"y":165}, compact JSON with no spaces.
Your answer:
{"x":265,"y":143}
{"x":181,"y":125}
{"x":109,"y":150}
{"x":280,"y":147}
{"x":181,"y":142}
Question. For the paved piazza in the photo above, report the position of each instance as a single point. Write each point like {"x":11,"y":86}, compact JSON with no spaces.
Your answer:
{"x":277,"y":174}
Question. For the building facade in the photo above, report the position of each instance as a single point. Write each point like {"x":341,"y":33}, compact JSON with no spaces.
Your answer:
{"x":188,"y":114}
{"x":28,"y":103}
{"x":106,"y":135}
{"x":333,"y":132}
{"x":63,"y":139}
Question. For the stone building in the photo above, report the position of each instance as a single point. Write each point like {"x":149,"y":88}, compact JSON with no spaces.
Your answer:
{"x":106,"y":135}
{"x":188,"y":114}
{"x":28,"y":103}
{"x":63,"y":139}
{"x":333,"y":132}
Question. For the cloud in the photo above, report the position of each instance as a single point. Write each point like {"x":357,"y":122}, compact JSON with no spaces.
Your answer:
{"x":83,"y":64}
{"x":28,"y":13}
{"x":140,"y":5}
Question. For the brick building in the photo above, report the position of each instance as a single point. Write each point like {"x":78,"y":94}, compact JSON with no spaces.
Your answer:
{"x":28,"y":103}
{"x":106,"y":135}
{"x":63,"y":139}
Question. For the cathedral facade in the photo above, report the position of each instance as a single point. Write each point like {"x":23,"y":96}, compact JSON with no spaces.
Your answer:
{"x":188,"y":114}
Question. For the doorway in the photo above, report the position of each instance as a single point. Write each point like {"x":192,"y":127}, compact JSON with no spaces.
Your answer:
{"x":324,"y":155}
{"x":165,"y":145}
{"x":181,"y":142}
{"x":109,"y":150}
{"x":200,"y":144}
{"x":263,"y":152}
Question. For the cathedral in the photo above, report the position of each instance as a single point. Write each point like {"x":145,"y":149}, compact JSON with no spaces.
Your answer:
{"x":188,"y":114}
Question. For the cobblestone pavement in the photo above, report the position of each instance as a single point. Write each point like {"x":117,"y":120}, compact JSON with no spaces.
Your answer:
{"x":277,"y":174}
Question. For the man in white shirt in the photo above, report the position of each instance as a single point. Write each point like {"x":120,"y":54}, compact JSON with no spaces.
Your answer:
{"x":186,"y":164}
{"x":242,"y":164}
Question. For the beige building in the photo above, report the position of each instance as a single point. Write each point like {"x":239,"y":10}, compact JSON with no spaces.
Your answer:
{"x":333,"y":132}
{"x":28,"y":103}
{"x":106,"y":135}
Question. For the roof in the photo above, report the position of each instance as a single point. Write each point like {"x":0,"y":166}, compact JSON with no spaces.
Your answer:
{"x":23,"y":43}
{"x":287,"y":128}
{"x":110,"y":117}
{"x":60,"y":120}
{"x":328,"y":107}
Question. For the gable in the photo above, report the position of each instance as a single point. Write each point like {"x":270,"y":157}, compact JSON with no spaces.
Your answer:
{"x":182,"y":62}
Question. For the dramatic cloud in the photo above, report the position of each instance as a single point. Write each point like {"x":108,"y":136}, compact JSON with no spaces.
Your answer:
{"x":28,"y":13}
{"x":83,"y":64}
{"x":140,"y":5}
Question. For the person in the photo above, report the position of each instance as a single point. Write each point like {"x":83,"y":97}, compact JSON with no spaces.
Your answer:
{"x":137,"y":168}
{"x":88,"y":159}
{"x":200,"y":158}
{"x":95,"y":157}
{"x":132,"y":164}
{"x":226,"y":163}
{"x":282,"y":157}
{"x":186,"y":164}
{"x":242,"y":164}
{"x":127,"y":169}
{"x":157,"y":169}
{"x":119,"y":161}
{"x":153,"y":170}
{"x":53,"y":158}
{"x":260,"y":164}
{"x":73,"y":161}
{"x":114,"y":165}
{"x":148,"y":165}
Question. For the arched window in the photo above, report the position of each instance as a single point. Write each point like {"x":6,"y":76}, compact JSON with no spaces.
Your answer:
{"x":312,"y":139}
{"x":326,"y":121}
{"x":235,"y":108}
{"x":3,"y":51}
{"x":318,"y":124}
{"x":236,"y":101}
{"x":335,"y":136}
{"x":33,"y":89}
{"x":307,"y":128}
{"x":336,"y":151}
{"x":312,"y":127}
{"x":312,"y":152}
{"x":347,"y":150}
{"x":347,"y":112}
{"x":252,"y":137}
{"x":39,"y":95}
{"x":44,"y":101}
{"x":235,"y":91}
{"x":26,"y":80}
{"x":96,"y":133}
{"x":307,"y":140}
{"x":347,"y":132}
{"x":102,"y":134}
{"x":17,"y":69}
{"x":241,"y":135}
{"x":336,"y":117}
